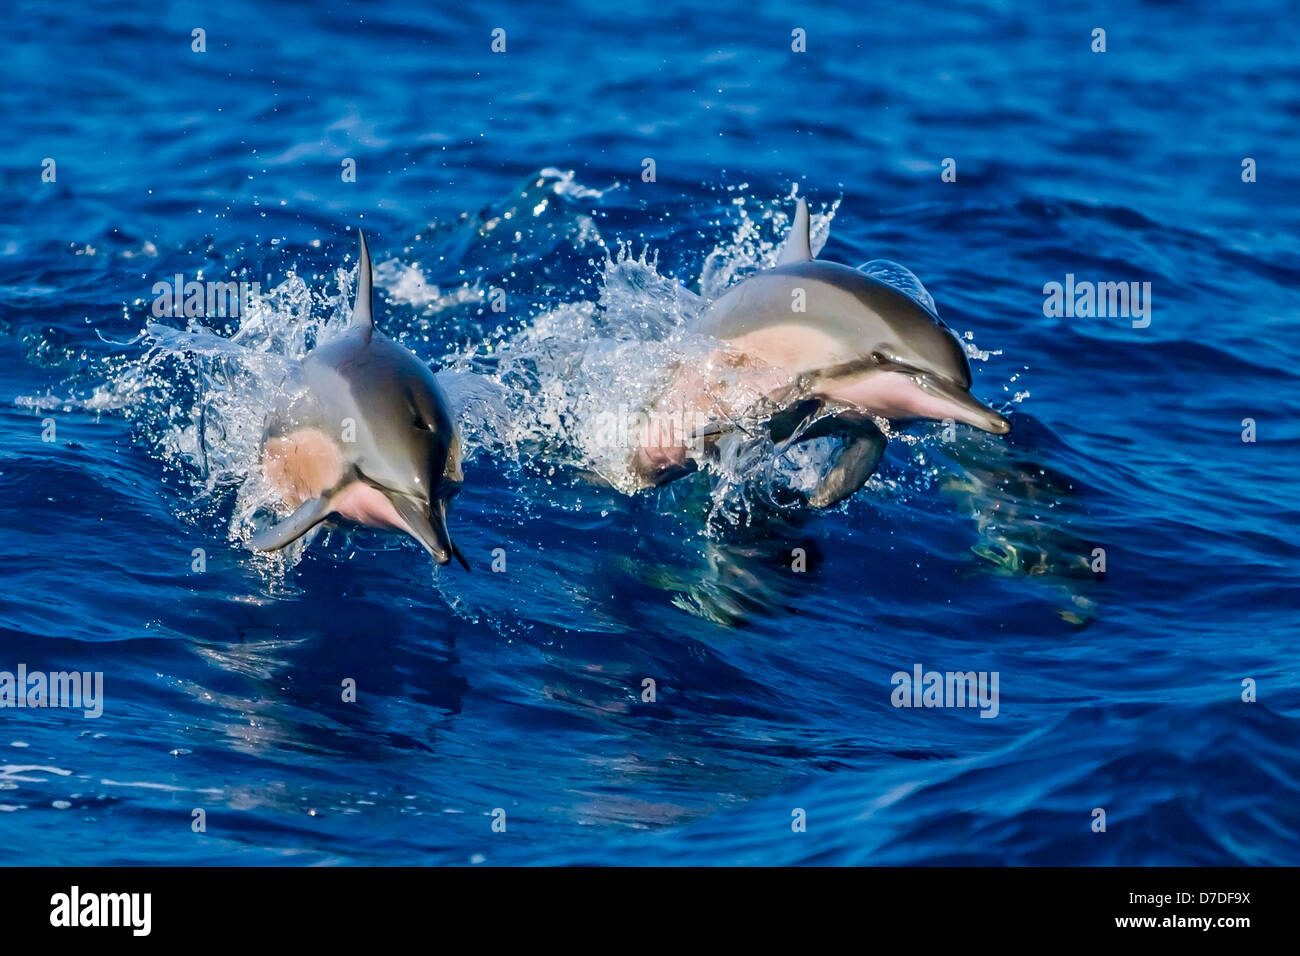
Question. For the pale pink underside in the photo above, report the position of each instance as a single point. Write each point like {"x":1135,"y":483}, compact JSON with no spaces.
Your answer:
{"x":305,"y":464}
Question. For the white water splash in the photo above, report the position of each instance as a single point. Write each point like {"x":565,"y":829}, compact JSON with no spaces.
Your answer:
{"x":534,"y":393}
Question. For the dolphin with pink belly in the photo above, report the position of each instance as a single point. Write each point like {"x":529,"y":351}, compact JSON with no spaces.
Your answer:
{"x":850,"y":346}
{"x":366,"y":435}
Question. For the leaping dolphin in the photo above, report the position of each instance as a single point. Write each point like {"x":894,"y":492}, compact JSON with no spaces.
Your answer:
{"x":367,"y":437}
{"x":830,"y":347}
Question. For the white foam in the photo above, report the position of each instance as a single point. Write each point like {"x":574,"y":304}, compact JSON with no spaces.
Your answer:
{"x":532,"y":392}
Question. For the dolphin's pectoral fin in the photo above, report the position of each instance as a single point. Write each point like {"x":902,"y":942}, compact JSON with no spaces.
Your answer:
{"x":786,"y":422}
{"x":307,"y":516}
{"x":428,"y":525}
{"x":864,"y":445}
{"x":797,"y":246}
{"x":854,"y":465}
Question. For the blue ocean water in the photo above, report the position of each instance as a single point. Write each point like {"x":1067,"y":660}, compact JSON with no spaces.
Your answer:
{"x":523,"y":690}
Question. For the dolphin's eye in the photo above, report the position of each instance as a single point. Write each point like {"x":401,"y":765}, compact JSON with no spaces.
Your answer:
{"x":884,"y":359}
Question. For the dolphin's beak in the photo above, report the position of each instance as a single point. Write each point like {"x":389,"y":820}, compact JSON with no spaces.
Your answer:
{"x":965,"y":407}
{"x":446,"y":548}
{"x":429,"y":527}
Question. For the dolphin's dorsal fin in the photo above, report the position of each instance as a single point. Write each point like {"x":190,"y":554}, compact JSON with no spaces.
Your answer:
{"x":797,"y":248}
{"x":362,"y":316}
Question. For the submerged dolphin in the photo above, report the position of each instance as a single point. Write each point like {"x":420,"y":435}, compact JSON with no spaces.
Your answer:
{"x":368,"y":438}
{"x":831,"y":347}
